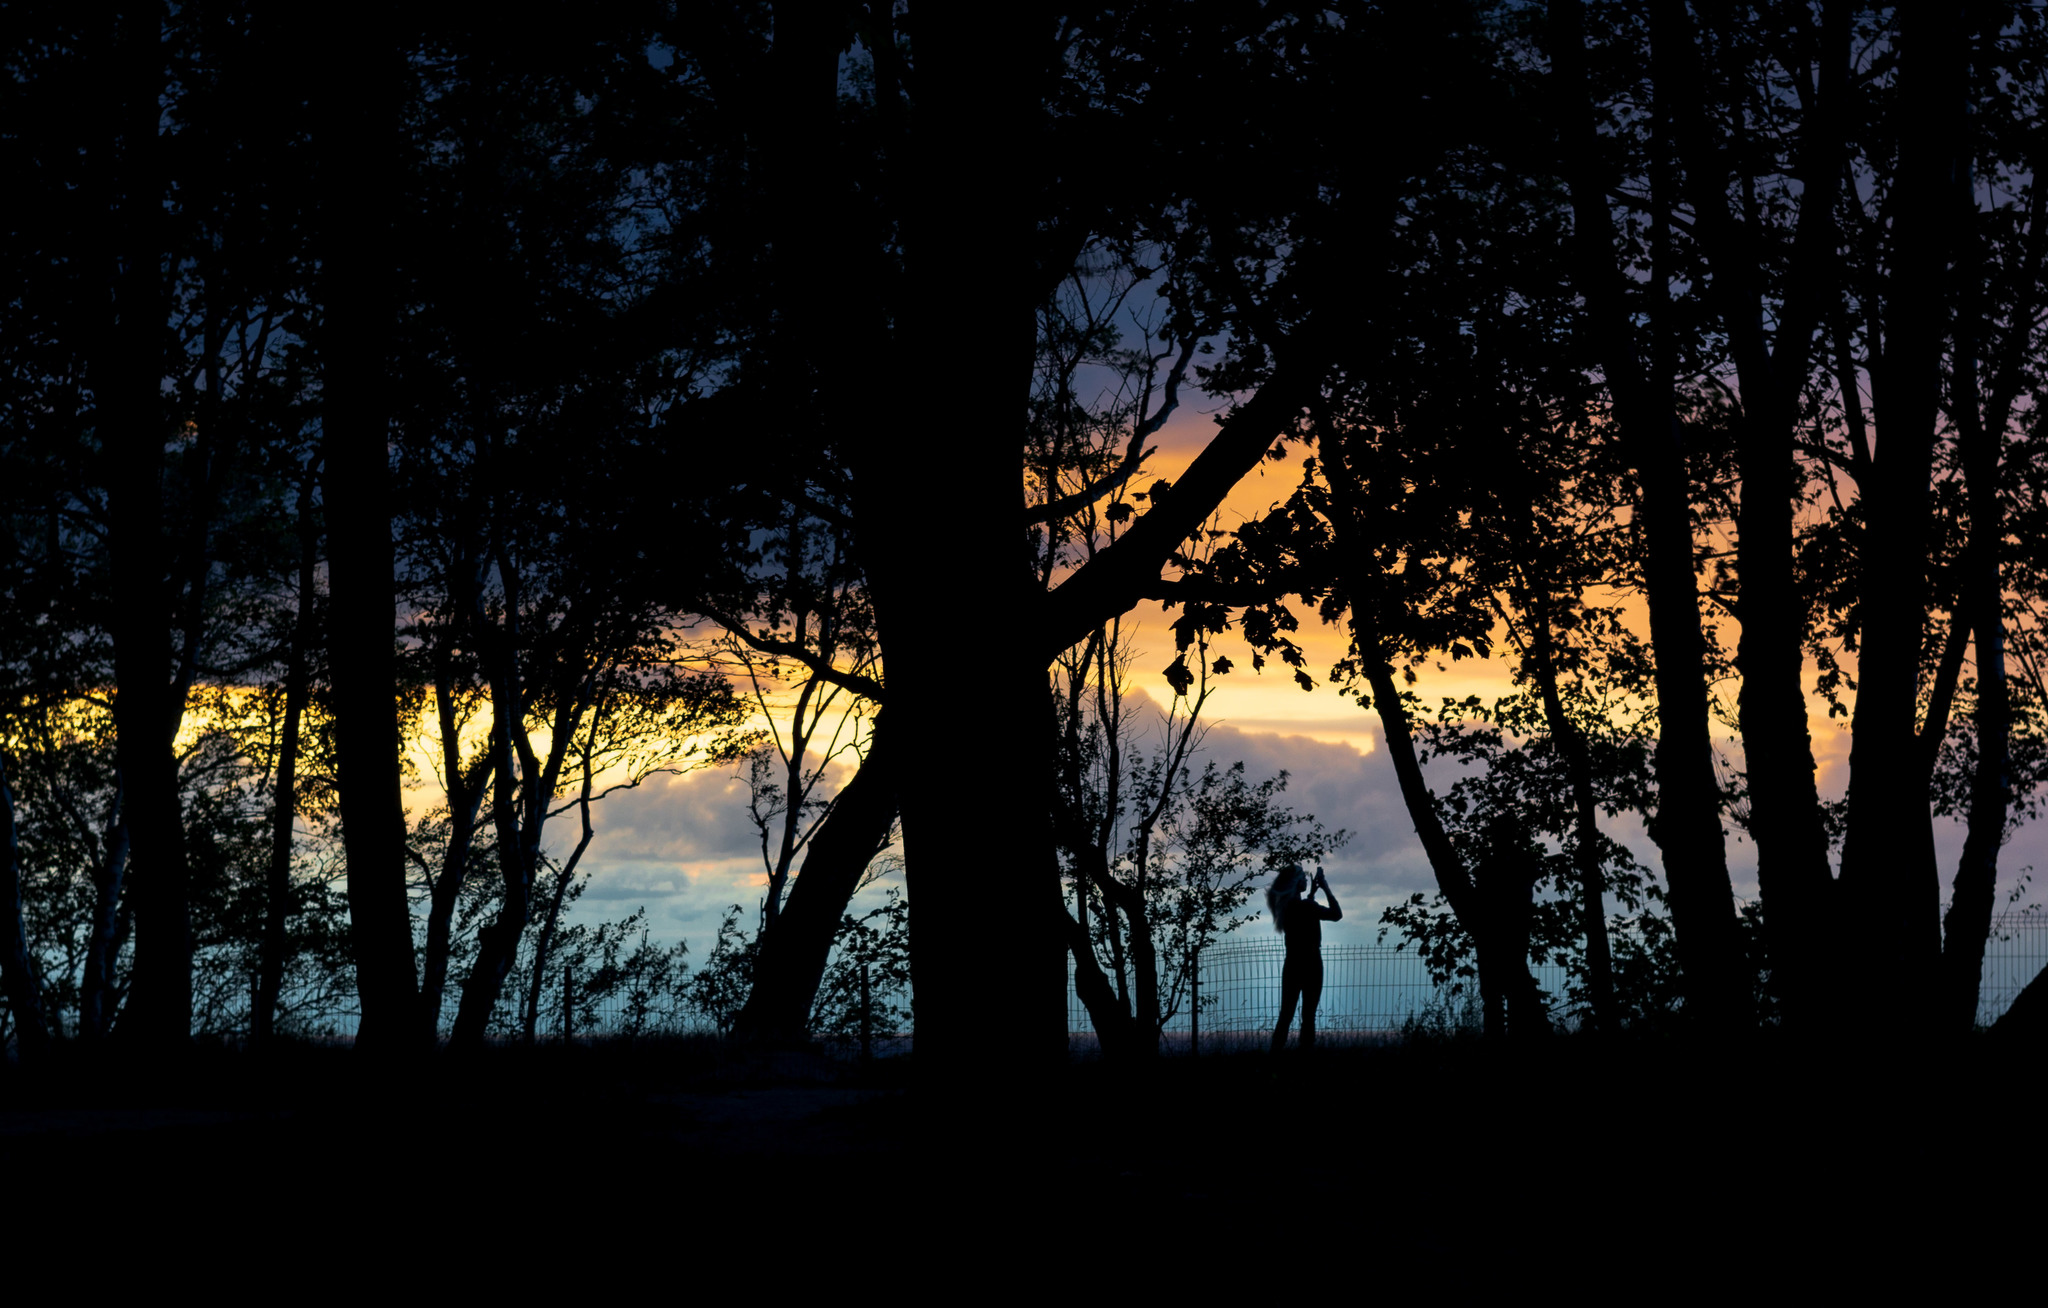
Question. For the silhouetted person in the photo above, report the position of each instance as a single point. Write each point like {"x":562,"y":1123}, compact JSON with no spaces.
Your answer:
{"x":1300,"y":920}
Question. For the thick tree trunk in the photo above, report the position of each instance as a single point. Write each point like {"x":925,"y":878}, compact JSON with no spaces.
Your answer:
{"x":1890,"y":883}
{"x":127,"y":390}
{"x":278,"y":881}
{"x":793,"y":954}
{"x":989,"y":976}
{"x":360,"y":145}
{"x":2027,"y":1019}
{"x":17,"y":968}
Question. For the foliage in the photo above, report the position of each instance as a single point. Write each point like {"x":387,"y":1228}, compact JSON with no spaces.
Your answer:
{"x":866,"y":990}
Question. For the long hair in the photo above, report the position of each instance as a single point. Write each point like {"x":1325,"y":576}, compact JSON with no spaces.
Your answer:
{"x":1284,"y":894}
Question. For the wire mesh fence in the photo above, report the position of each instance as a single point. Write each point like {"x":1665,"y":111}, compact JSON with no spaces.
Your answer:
{"x":1373,"y":992}
{"x":2013,"y":956}
{"x":1370,"y":992}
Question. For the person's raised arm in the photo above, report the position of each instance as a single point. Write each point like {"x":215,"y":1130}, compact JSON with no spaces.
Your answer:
{"x":1333,"y":912}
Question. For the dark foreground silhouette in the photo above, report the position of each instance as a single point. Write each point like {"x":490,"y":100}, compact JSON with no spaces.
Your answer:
{"x":656,"y":1152}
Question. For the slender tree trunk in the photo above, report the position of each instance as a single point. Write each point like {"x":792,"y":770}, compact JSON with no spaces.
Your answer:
{"x":1687,"y":824}
{"x":359,"y":130}
{"x":1968,"y":922}
{"x":97,"y":993}
{"x":792,"y":958}
{"x":465,"y":797}
{"x":447,"y":892}
{"x":1578,"y":760}
{"x":543,"y":948}
{"x":278,"y":882}
{"x":1108,"y":1012}
{"x":498,"y":940}
{"x":17,"y":967}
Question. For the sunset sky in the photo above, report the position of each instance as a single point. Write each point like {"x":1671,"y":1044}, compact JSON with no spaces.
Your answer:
{"x":683,"y":847}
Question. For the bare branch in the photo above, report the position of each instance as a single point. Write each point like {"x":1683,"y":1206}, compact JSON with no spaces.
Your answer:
{"x":820,"y":667}
{"x":1135,"y":452}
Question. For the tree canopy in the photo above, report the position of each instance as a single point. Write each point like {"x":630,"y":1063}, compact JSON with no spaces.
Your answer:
{"x":531,"y":392}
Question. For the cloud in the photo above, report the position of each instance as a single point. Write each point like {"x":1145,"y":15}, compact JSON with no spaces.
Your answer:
{"x":683,"y":847}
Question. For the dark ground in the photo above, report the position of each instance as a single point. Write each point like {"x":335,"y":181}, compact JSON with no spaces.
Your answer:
{"x":1446,"y":1165}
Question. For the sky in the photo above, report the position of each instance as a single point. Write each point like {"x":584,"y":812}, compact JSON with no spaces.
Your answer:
{"x":682,"y":846}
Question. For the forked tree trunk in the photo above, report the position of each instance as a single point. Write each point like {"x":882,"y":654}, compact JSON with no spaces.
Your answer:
{"x":465,"y":798}
{"x":791,"y":962}
{"x":1687,"y":824}
{"x":1890,"y":884}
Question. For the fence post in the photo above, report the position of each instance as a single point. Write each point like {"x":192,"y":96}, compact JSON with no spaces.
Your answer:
{"x":1195,"y":1006}
{"x":867,"y":1016}
{"x":568,"y":981}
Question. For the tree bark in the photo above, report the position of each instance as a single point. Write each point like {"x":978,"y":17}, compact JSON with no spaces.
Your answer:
{"x":498,"y":940}
{"x":360,"y":140}
{"x":1578,"y":760}
{"x":989,"y":978}
{"x":793,"y":953}
{"x":465,"y":798}
{"x":17,"y":968}
{"x":1890,"y":884}
{"x":1687,"y":825}
{"x":127,"y":389}
{"x":97,"y":991}
{"x":278,"y":880}
{"x":1981,"y":436}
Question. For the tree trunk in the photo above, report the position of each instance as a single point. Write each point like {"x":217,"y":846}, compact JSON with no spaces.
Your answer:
{"x":278,"y":882}
{"x":793,"y":953}
{"x":2027,"y":1019}
{"x":1578,"y":759}
{"x":1108,"y":1013}
{"x":1968,"y":922}
{"x":17,"y":968}
{"x":498,"y":941}
{"x":543,"y":948}
{"x":989,"y":978}
{"x":1890,"y":883}
{"x":465,"y":798}
{"x":97,"y":995}
{"x":1687,"y":824}
{"x":127,"y":389}
{"x":359,"y":130}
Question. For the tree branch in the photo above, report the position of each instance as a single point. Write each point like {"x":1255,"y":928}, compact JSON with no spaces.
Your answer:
{"x":820,"y":667}
{"x":1134,"y":453}
{"x":1121,"y":575}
